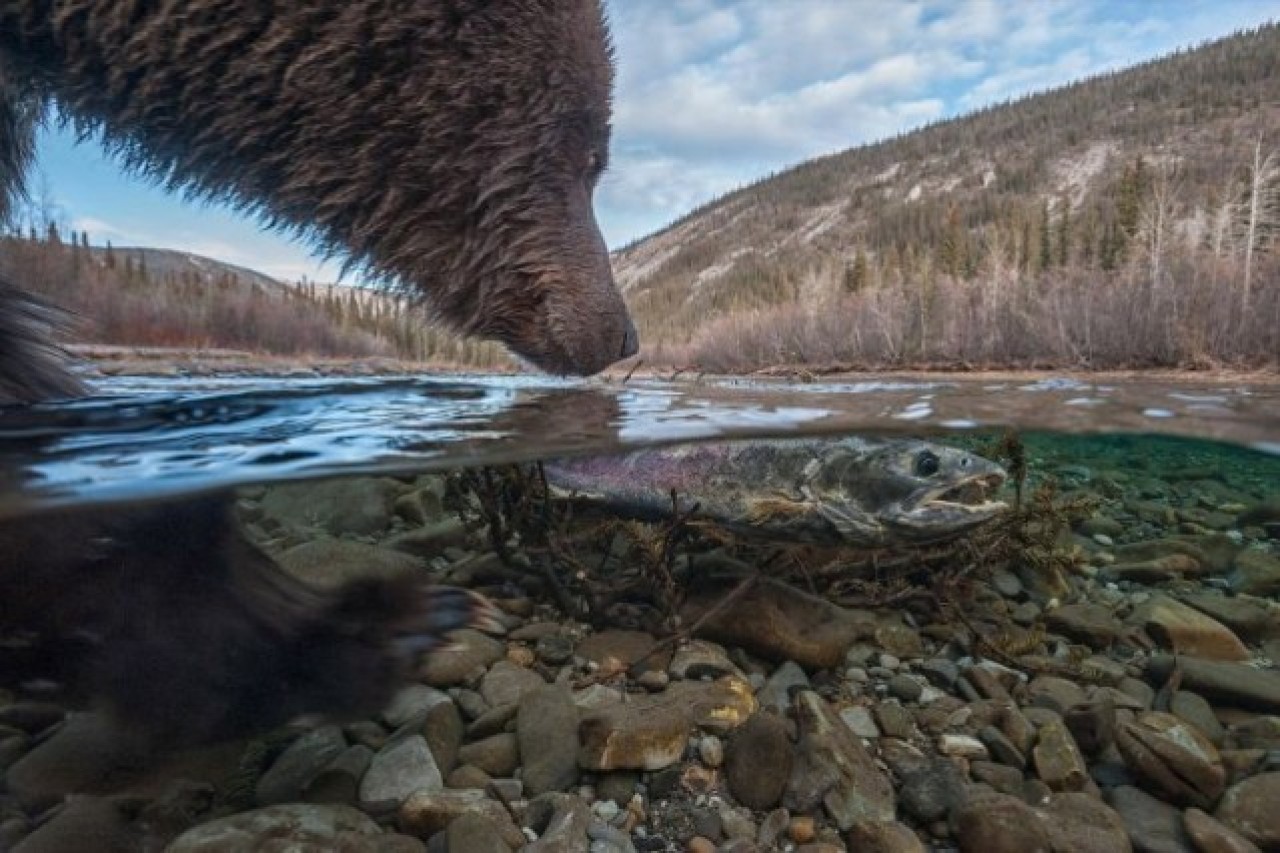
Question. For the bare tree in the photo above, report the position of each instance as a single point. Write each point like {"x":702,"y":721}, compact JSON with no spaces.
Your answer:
{"x":1262,"y":209}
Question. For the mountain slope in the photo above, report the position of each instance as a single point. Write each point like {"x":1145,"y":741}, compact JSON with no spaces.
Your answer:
{"x":1059,"y":184}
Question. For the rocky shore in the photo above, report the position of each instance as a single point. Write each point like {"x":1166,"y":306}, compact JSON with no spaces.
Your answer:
{"x":1129,"y":704}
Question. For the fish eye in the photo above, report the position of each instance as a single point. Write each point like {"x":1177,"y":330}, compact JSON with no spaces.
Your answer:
{"x":927,"y":463}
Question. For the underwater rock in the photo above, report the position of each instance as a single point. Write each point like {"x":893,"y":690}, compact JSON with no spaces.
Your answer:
{"x":1209,"y":834}
{"x":1185,"y":630}
{"x":1255,"y":573}
{"x":1229,"y":683}
{"x":1057,"y":759}
{"x":1154,"y":826}
{"x":779,"y":622}
{"x":399,"y":770}
{"x":1250,"y":808}
{"x":317,"y":825}
{"x":758,"y":761}
{"x":547,"y":730}
{"x":998,"y":823}
{"x":1172,"y":758}
{"x":426,"y":813}
{"x":833,"y":769}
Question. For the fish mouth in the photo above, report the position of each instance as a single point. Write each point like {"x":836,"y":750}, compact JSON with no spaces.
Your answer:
{"x":972,"y":494}
{"x":951,"y":509}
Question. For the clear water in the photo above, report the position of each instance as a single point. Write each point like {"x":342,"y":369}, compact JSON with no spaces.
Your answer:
{"x":141,"y":439}
{"x":297,"y":467}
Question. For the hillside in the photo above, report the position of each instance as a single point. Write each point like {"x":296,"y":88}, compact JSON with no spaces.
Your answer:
{"x":980,"y":240}
{"x":141,"y":297}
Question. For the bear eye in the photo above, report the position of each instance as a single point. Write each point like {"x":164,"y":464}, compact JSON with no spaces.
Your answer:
{"x":927,"y":464}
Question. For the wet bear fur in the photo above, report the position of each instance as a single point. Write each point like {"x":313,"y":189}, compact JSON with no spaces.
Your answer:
{"x":451,"y":147}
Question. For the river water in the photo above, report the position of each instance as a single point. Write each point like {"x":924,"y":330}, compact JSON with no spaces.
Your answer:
{"x":209,"y":559}
{"x":140,"y":439}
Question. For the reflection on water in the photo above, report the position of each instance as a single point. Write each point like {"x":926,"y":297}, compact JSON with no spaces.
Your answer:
{"x":262,"y":566}
{"x":141,"y":439}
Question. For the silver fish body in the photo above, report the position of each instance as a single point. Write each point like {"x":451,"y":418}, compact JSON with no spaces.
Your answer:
{"x":851,"y":490}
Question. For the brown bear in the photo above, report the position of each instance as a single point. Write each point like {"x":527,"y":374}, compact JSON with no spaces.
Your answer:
{"x":451,"y":147}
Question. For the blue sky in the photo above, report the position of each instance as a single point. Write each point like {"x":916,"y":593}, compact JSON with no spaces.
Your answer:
{"x":713,"y":94}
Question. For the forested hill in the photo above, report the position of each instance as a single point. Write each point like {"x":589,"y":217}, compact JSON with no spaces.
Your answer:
{"x":1127,"y":220}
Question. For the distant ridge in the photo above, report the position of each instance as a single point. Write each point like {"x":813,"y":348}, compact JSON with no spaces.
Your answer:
{"x":1054,"y":184}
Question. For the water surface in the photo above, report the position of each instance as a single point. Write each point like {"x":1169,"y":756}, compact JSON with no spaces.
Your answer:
{"x":140,"y":439}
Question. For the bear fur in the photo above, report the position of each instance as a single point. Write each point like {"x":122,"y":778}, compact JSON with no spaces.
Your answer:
{"x":449,"y":146}
{"x":452,"y":147}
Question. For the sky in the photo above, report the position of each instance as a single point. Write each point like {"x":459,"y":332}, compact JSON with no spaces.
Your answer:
{"x":714,"y":94}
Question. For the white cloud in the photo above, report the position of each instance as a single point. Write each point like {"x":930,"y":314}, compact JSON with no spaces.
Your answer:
{"x":713,"y":94}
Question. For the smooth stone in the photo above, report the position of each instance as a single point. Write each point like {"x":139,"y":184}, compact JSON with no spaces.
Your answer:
{"x":80,"y":756}
{"x":940,"y":672}
{"x":905,"y":688}
{"x":998,"y":823}
{"x":431,"y":540}
{"x":497,"y":755}
{"x":1250,"y":618}
{"x":929,"y":793}
{"x":1154,"y":826}
{"x":399,"y":770}
{"x":1226,"y":683}
{"x":649,"y":732}
{"x":1255,"y":572}
{"x":775,"y":621}
{"x":475,"y":833}
{"x":359,"y":506}
{"x":1054,"y":693}
{"x":1081,"y":823}
{"x":468,"y":652}
{"x":1185,"y":630}
{"x":426,"y":813}
{"x":443,"y":728}
{"x":1057,"y":759}
{"x":505,"y":683}
{"x":411,"y":702}
{"x":1092,"y":624}
{"x":1001,"y":777}
{"x":467,"y":776}
{"x":1212,"y":836}
{"x":775,"y":695}
{"x":700,"y":659}
{"x":859,"y":720}
{"x":883,"y":837}
{"x":894,"y":720}
{"x":562,"y":823}
{"x":616,"y":650}
{"x":962,"y":746}
{"x":289,"y":776}
{"x":1252,"y":808}
{"x":1153,"y":571}
{"x":902,"y":642}
{"x":1194,"y":709}
{"x":1093,"y":724}
{"x":1001,"y":748}
{"x":758,"y":760}
{"x":547,"y":731}
{"x":1172,"y":758}
{"x":306,"y":826}
{"x":833,"y":769}
{"x":339,"y":781}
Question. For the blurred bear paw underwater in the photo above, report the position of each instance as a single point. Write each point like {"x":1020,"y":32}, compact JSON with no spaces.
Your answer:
{"x":187,"y":632}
